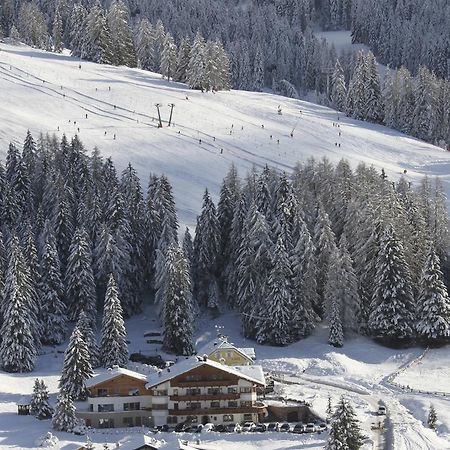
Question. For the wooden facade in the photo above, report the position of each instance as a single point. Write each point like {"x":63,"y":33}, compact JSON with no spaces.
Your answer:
{"x":120,"y":386}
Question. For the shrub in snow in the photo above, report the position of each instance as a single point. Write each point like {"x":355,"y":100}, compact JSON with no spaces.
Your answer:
{"x":283,"y":87}
{"x":47,"y":440}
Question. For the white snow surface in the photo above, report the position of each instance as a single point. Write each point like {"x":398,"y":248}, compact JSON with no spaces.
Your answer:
{"x":42,"y":91}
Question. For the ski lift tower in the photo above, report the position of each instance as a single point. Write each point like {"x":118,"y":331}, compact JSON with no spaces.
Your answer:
{"x":158,"y":105}
{"x":328,"y":73}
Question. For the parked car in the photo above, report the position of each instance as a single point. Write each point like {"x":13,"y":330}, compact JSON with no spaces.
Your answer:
{"x":207,"y":427}
{"x":321,"y":426}
{"x":233,"y":428}
{"x":220,"y":428}
{"x":310,"y":428}
{"x":284,"y":427}
{"x":248,"y":426}
{"x":185,"y":427}
{"x":273,"y":426}
{"x":260,"y":427}
{"x":160,"y":428}
{"x":382,"y":410}
{"x":299,"y":428}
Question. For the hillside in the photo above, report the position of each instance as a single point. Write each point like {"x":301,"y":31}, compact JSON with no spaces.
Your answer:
{"x":42,"y":91}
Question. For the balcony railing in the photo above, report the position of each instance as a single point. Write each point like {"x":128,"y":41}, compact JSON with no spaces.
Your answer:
{"x":256,"y":408}
{"x":202,"y":383}
{"x":199,"y":397}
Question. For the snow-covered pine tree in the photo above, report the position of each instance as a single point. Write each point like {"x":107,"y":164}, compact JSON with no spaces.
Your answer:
{"x":258,"y":70}
{"x":433,"y":303}
{"x":121,"y":36}
{"x":304,"y":285}
{"x":79,"y":279}
{"x":57,"y":32}
{"x":325,"y":243}
{"x":53,"y":310}
{"x":206,"y":247}
{"x":345,"y":431}
{"x":76,"y":368}
{"x":19,"y":346}
{"x":432,"y":418}
{"x":336,"y":336}
{"x":183,"y":57}
{"x":178,"y":307}
{"x":87,"y":331}
{"x":372,"y":91}
{"x":355,"y":105}
{"x":98,"y":45}
{"x":392,"y":307}
{"x":168,"y":57}
{"x":39,"y":405}
{"x":113,"y":345}
{"x":77,"y":25}
{"x":197,"y":63}
{"x":338,"y":87}
{"x":64,"y":418}
{"x":275,"y":327}
{"x":145,"y":44}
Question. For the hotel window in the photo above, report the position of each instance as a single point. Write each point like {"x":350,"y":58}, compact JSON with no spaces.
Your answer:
{"x":246,"y":390}
{"x":175,"y":392}
{"x":193,"y":391}
{"x":246,"y":404}
{"x":102,"y":392}
{"x":159,"y":393}
{"x":193,"y":378}
{"x":232,"y":404}
{"x":106,"y":408}
{"x":228,"y":418}
{"x":232,"y":390}
{"x":248,"y":417}
{"x":133,"y":391}
{"x":105,"y":423}
{"x":194,"y":405}
{"x":214,"y":391}
{"x":132,"y":406}
{"x":172,"y":419}
{"x":128,"y":422}
{"x":215,"y":404}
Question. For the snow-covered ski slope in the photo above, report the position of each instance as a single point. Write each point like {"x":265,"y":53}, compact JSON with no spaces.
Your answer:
{"x":42,"y":91}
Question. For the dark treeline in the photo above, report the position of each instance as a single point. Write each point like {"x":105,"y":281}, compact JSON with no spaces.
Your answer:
{"x":326,"y":243}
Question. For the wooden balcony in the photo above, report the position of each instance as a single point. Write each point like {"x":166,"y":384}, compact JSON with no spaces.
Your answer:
{"x":200,"y":397}
{"x":202,"y":383}
{"x":258,"y":409}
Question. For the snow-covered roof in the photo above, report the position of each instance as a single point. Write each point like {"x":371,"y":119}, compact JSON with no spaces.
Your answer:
{"x":250,"y":373}
{"x":113,"y":373}
{"x":223,"y":344}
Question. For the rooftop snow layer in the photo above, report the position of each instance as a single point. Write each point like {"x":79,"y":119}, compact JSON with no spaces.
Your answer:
{"x":111,"y":374}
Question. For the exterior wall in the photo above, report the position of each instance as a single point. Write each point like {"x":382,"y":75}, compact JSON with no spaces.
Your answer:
{"x":231,"y":357}
{"x":119,"y":419}
{"x":228,"y":399}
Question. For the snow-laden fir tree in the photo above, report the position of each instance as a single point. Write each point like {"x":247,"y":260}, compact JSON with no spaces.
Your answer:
{"x":197,"y":63}
{"x":433,"y":303}
{"x":372,"y":91}
{"x":77,"y":33}
{"x":121,"y":36}
{"x":19,"y":346}
{"x":98,"y":45}
{"x":79,"y":279}
{"x":325,"y":242}
{"x":392,"y":310}
{"x":39,"y":405}
{"x":275,"y":327}
{"x":178,"y":307}
{"x":113,"y":345}
{"x":168,"y":57}
{"x":183,"y":57}
{"x":338,"y":87}
{"x":336,"y":336}
{"x":57,"y":32}
{"x":53,"y":310}
{"x":345,"y":430}
{"x":145,"y":43}
{"x":355,"y":104}
{"x":87,"y":331}
{"x":64,"y":418}
{"x":206,"y":247}
{"x":304,"y":285}
{"x":258,"y":70}
{"x":76,"y":367}
{"x":432,"y":418}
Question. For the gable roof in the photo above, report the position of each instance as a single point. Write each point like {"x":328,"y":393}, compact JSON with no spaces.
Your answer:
{"x":254,"y":374}
{"x":223,"y":344}
{"x":138,"y":441}
{"x":111,"y":374}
